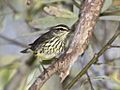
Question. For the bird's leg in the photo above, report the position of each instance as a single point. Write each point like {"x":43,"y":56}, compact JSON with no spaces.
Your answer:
{"x":44,"y":69}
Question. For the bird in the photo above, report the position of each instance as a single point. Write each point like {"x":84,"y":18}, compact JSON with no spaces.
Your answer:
{"x":51,"y":44}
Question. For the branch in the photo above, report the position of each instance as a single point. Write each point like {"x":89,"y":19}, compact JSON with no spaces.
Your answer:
{"x":12,"y":41}
{"x":10,"y":6}
{"x":114,"y":46}
{"x":94,"y":60}
{"x":89,"y":80}
{"x":84,"y":28}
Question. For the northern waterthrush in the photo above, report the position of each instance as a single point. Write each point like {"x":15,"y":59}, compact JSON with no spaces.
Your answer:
{"x":51,"y":44}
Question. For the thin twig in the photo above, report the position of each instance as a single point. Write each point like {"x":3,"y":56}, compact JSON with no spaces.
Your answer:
{"x":113,"y":46}
{"x":76,"y":3}
{"x":92,"y":88}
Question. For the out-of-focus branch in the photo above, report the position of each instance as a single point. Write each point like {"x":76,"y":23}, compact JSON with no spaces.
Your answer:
{"x":94,"y":59}
{"x":10,"y":6}
{"x":84,"y":28}
{"x":89,"y":80}
{"x":25,"y":67}
{"x":13,"y":41}
{"x":76,"y":3}
{"x":113,"y":46}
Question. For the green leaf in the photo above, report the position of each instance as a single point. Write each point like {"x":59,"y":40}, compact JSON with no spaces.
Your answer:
{"x":106,"y":5}
{"x":59,"y":12}
{"x":1,"y":23}
{"x":113,"y":18}
{"x":2,"y":14}
{"x":5,"y":76}
{"x":51,"y":1}
{"x":9,"y":61}
{"x":51,"y":21}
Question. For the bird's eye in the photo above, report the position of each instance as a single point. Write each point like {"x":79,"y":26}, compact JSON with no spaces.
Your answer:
{"x":61,"y":29}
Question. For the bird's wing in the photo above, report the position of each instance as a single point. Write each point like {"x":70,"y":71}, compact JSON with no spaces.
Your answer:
{"x":41,"y":39}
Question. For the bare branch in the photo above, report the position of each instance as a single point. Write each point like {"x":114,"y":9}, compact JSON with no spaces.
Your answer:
{"x":92,"y":88}
{"x":114,"y":46}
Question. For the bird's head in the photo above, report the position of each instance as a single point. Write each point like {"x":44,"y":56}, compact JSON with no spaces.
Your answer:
{"x":60,"y":30}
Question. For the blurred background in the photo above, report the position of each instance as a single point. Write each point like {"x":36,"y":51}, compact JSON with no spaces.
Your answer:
{"x":22,"y":21}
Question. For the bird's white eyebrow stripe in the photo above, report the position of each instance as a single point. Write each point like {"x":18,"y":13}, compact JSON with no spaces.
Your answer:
{"x":61,"y":27}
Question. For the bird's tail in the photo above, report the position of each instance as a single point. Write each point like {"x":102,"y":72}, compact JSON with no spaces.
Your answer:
{"x":25,"y":51}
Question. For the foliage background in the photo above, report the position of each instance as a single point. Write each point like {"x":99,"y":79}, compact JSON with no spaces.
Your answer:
{"x":21,"y":24}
